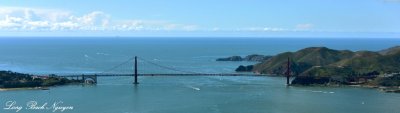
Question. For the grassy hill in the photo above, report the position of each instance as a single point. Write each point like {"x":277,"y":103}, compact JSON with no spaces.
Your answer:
{"x":389,"y":51}
{"x":338,"y":65}
{"x":302,"y":60}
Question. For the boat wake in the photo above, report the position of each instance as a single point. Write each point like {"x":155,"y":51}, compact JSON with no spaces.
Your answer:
{"x":317,"y":91}
{"x":195,"y":88}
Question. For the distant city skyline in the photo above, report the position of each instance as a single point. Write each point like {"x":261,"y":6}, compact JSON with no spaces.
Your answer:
{"x":205,"y":18}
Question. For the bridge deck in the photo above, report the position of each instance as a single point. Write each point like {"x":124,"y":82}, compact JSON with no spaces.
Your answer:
{"x":211,"y":74}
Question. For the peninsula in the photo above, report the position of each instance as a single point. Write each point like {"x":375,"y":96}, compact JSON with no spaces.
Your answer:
{"x":324,"y":66}
{"x":9,"y":79}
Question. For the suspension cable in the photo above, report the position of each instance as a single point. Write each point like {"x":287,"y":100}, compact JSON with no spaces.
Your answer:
{"x":117,"y":66}
{"x":168,"y":68}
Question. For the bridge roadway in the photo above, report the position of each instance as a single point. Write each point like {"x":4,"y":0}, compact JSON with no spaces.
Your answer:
{"x":194,"y":74}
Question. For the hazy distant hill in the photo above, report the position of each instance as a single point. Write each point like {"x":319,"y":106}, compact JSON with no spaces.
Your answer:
{"x":253,"y":57}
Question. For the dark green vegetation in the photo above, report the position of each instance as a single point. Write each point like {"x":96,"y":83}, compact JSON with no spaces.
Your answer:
{"x":253,"y":57}
{"x":387,"y":81}
{"x":321,"y":65}
{"x":242,"y":68}
{"x":9,"y":79}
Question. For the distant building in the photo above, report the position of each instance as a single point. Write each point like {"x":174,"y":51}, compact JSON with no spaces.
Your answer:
{"x":40,"y":77}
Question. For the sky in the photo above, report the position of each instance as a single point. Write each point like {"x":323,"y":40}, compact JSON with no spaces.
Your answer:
{"x":200,"y":18}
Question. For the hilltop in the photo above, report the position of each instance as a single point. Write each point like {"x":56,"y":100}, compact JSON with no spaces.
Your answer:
{"x":322,"y":65}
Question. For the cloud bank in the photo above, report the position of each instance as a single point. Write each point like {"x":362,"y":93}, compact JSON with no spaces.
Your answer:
{"x":36,"y":19}
{"x":22,"y":19}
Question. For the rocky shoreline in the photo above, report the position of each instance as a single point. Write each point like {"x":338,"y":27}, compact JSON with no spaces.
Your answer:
{"x":24,"y":88}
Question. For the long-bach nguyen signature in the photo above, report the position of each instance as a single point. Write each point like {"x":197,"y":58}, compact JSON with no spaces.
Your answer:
{"x":56,"y":106}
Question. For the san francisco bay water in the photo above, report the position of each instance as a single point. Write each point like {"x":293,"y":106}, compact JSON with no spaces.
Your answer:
{"x":193,"y":94}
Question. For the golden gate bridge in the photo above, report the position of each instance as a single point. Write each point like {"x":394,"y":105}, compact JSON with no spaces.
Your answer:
{"x":134,"y":72}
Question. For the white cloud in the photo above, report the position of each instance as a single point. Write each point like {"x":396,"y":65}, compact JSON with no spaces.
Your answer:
{"x":215,"y":29}
{"x":190,"y":27}
{"x":263,"y":29}
{"x":34,"y":19}
{"x":151,"y":25}
{"x":304,"y":26}
{"x":274,"y":29}
{"x":298,"y":27}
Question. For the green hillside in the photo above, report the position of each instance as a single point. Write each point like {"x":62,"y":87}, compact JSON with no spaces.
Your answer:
{"x":338,"y":65}
{"x":302,"y":60}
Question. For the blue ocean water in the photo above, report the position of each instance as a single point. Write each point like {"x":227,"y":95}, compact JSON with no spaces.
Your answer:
{"x":89,"y":55}
{"x":183,"y":94}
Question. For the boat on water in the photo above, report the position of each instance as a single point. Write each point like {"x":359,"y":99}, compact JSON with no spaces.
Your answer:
{"x":43,"y":88}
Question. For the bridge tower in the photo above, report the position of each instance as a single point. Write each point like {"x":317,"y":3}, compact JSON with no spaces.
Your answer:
{"x":288,"y":72}
{"x":136,"y":73}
